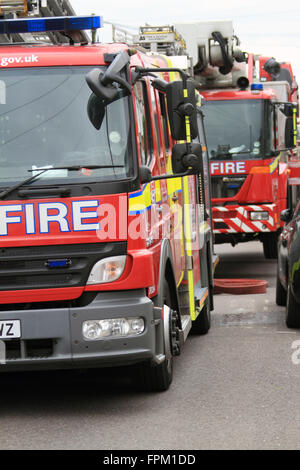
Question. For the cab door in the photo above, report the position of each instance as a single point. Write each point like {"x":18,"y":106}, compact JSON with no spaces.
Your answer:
{"x":172,"y":188}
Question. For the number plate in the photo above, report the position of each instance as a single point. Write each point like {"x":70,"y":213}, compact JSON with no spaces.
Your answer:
{"x":10,"y":329}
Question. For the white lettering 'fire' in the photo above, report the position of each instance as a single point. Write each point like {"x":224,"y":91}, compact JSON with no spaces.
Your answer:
{"x":227,"y":168}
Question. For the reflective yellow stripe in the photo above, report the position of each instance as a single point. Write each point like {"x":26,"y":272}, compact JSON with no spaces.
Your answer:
{"x":274,"y":164}
{"x":216,"y":264}
{"x":180,"y":280}
{"x":295,"y":125}
{"x":191,"y":294}
{"x":188,"y":129}
{"x":140,"y":201}
{"x":157,"y":191}
{"x":173,"y":184}
{"x":187,"y":221}
{"x":187,"y":218}
{"x":187,"y":121}
{"x":202,"y":301}
{"x":172,"y":75}
{"x":203,"y":226}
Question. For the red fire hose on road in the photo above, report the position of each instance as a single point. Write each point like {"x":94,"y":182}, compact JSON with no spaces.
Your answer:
{"x":240,"y":286}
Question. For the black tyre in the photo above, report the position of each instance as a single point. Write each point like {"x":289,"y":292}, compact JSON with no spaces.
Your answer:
{"x":270,"y":245}
{"x":281,"y":293}
{"x":292,"y":310}
{"x":157,"y":378}
{"x":202,"y":323}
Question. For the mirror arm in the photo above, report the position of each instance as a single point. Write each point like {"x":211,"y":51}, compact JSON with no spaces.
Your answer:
{"x":146,"y":175}
{"x":165,"y":177}
{"x":147,"y":71}
{"x":115,"y":78}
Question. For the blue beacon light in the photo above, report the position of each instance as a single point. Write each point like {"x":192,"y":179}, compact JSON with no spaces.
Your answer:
{"x":60,"y":23}
{"x":257,"y":87}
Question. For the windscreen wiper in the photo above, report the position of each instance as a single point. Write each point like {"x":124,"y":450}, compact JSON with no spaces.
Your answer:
{"x":8,"y":191}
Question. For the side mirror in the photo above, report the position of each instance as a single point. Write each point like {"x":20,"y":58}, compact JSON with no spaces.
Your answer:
{"x":101,"y":83}
{"x":104,"y":92}
{"x":96,"y":107}
{"x":180,"y":107}
{"x":285,"y":126}
{"x":96,"y":110}
{"x":182,"y":160}
{"x":286,"y":215}
{"x":291,"y":131}
{"x":288,"y":109}
{"x":289,"y":135}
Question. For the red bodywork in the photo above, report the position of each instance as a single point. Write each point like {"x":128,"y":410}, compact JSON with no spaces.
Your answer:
{"x":143,"y":257}
{"x":265,"y":186}
{"x":265,"y":76}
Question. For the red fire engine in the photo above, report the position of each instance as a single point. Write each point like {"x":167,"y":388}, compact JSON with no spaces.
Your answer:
{"x":250,"y":132}
{"x":105,"y":238}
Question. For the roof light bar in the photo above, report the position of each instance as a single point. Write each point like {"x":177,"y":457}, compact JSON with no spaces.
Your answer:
{"x":59,"y":23}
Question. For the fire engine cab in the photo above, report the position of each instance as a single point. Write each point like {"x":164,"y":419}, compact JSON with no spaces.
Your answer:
{"x":105,"y":224}
{"x":251,"y":104}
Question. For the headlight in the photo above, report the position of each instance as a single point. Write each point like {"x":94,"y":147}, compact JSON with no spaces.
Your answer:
{"x":114,"y":327}
{"x":259,"y":215}
{"x":107,"y":270}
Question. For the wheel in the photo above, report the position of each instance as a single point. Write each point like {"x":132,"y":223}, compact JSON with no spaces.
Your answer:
{"x":270,"y":245}
{"x":201,"y":325}
{"x":292,"y":318}
{"x":157,"y":378}
{"x":281,"y":293}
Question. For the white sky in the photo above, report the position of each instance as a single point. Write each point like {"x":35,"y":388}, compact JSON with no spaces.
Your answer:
{"x":267,"y":27}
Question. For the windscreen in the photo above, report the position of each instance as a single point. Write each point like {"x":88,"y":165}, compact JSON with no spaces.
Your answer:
{"x":44,"y":123}
{"x":234,"y":129}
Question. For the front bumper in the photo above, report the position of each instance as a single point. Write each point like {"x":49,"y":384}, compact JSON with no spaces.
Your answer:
{"x":52,"y":338}
{"x":236,"y":219}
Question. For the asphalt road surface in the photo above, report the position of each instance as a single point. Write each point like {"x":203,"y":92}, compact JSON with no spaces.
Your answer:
{"x":235,"y":388}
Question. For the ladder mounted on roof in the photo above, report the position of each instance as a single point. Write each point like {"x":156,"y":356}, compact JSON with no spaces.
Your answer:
{"x":210,"y":48}
{"x":14,"y":9}
{"x":161,"y":39}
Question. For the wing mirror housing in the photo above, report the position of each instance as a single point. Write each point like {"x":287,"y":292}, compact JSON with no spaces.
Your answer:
{"x":102,"y":84}
{"x":185,"y":161}
{"x":286,"y":115}
{"x":182,"y":104}
{"x":187,"y":158}
{"x":96,"y":111}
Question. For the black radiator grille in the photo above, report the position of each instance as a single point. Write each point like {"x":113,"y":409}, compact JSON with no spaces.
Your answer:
{"x":28,"y":349}
{"x":28,"y":267}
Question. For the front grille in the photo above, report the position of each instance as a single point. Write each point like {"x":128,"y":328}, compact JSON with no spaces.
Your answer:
{"x":220,"y":225}
{"x":59,"y":280}
{"x":28,"y":267}
{"x":226,"y":186}
{"x":228,"y":214}
{"x":28,"y":349}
